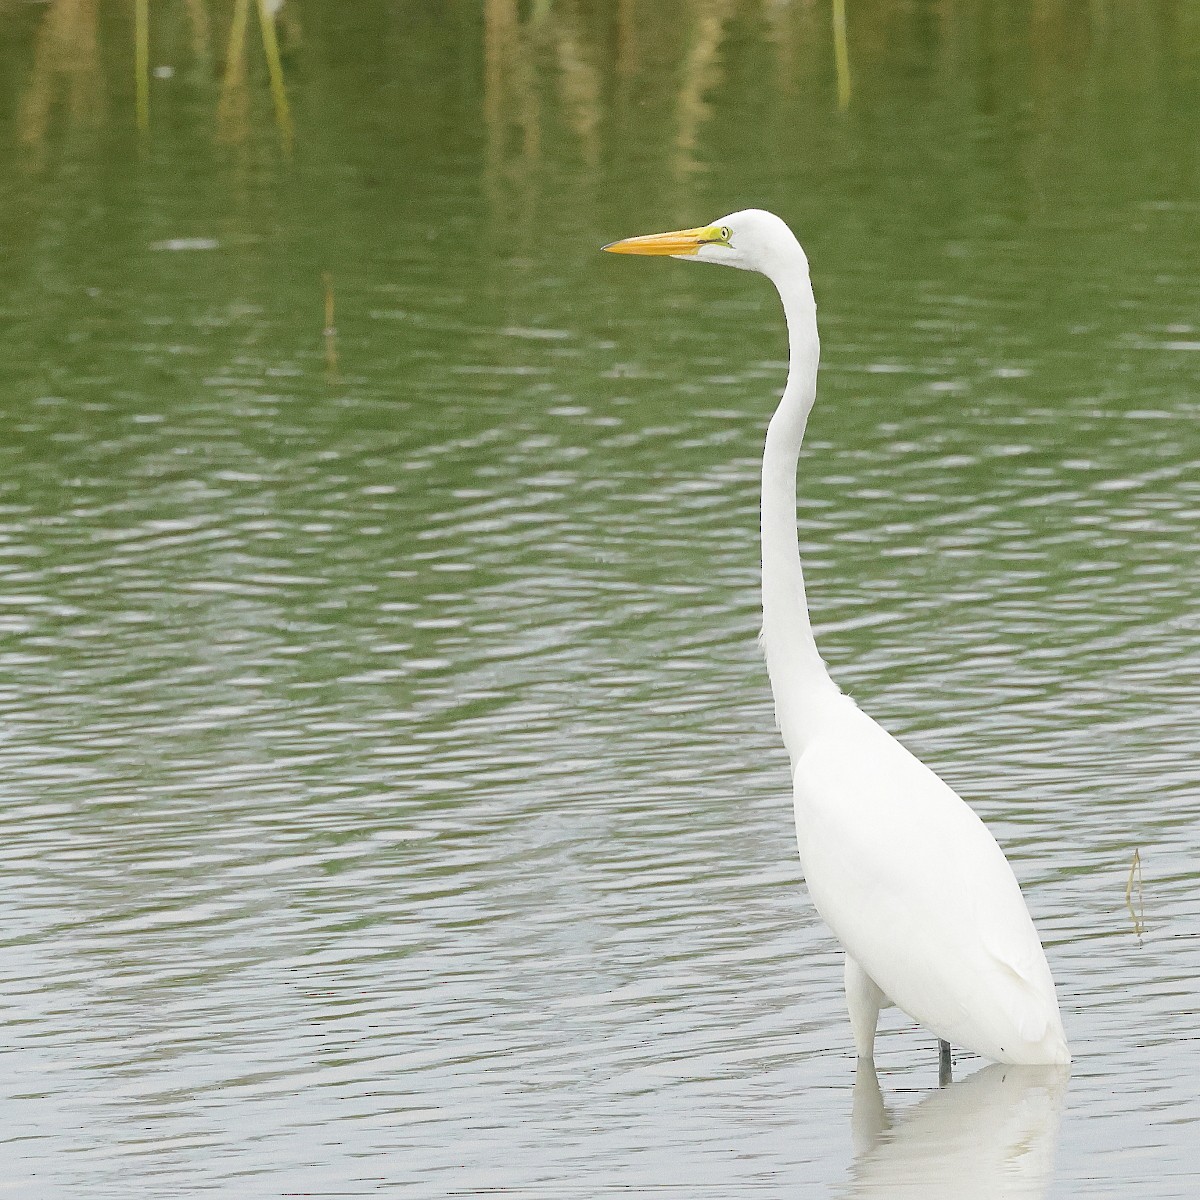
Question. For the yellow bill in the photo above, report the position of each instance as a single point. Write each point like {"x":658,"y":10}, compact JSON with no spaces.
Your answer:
{"x":680,"y":241}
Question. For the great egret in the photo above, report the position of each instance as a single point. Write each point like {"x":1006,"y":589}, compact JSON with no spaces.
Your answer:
{"x":908,"y":878}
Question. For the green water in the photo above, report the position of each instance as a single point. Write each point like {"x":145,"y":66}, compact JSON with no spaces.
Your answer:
{"x":392,"y":802}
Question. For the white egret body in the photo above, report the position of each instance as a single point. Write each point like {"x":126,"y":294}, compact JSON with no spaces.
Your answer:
{"x":905,"y":874}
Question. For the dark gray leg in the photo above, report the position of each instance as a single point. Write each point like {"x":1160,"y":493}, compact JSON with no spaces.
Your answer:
{"x":945,"y":1077}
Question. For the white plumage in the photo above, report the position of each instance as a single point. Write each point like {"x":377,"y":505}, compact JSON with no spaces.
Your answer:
{"x":901,"y":869}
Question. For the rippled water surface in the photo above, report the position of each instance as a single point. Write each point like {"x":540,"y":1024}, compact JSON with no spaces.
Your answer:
{"x":391,"y":797}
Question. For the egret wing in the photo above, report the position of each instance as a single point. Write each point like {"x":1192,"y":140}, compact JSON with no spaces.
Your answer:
{"x":917,"y":890}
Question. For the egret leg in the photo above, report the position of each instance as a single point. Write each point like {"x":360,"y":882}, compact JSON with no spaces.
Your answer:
{"x":864,"y":1000}
{"x":945,"y":1074}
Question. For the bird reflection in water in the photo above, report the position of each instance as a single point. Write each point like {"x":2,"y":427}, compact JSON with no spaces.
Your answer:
{"x":993,"y":1134}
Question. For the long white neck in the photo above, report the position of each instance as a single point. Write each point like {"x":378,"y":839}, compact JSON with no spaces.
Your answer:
{"x":799,"y":680}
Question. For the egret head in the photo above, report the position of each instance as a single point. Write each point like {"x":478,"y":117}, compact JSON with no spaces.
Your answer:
{"x":753,"y":240}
